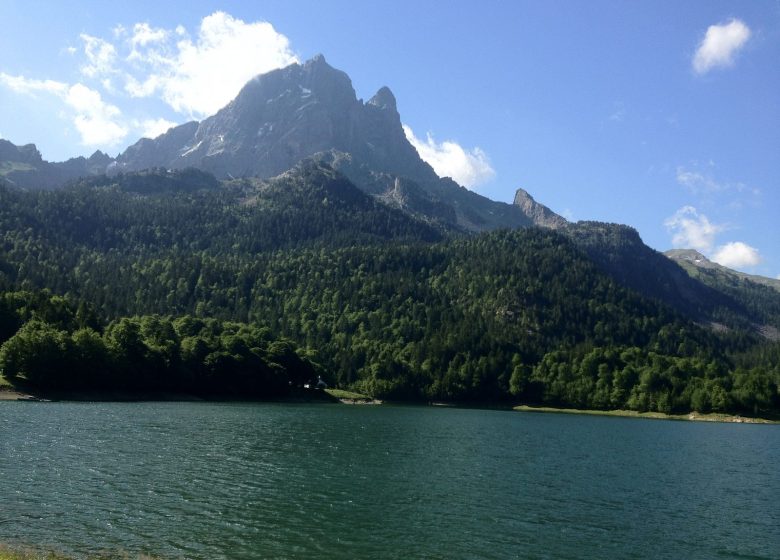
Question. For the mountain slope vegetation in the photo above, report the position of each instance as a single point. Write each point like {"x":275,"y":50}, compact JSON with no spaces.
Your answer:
{"x":376,"y":300}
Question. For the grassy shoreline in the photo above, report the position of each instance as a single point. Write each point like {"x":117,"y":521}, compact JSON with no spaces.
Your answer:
{"x":691,"y":416}
{"x":350,"y":397}
{"x":19,"y":552}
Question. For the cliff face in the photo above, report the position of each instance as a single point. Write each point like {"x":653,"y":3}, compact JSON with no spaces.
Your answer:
{"x":539,"y":214}
{"x":282,"y":117}
{"x":311,"y":111}
{"x":24,"y":167}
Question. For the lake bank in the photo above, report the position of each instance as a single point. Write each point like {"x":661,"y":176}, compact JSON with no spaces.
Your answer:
{"x":352,"y":398}
{"x":18,"y":394}
{"x":691,"y":416}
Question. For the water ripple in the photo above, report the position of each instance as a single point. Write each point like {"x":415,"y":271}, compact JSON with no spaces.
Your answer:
{"x":240,"y":481}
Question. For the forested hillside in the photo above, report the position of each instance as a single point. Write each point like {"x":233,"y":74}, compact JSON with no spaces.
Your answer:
{"x":708,"y":296}
{"x":384,"y":303}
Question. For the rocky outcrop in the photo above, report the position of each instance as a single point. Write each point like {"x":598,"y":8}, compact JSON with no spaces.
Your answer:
{"x":311,"y":110}
{"x":539,"y":214}
{"x":24,"y":167}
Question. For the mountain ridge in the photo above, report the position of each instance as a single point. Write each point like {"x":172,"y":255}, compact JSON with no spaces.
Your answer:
{"x":283,"y":117}
{"x":691,"y":259}
{"x":311,"y":110}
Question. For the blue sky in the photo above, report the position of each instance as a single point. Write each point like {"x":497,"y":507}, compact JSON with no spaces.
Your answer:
{"x":662,"y":115}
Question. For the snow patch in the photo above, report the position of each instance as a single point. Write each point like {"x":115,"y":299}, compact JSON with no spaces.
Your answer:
{"x":305,"y":105}
{"x":278,"y":97}
{"x":195,"y":147}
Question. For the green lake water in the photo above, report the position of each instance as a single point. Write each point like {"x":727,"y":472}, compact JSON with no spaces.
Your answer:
{"x":211,"y":481}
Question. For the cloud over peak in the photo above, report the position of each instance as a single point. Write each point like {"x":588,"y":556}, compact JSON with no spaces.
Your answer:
{"x":194,"y":75}
{"x":199,"y":76}
{"x":720,"y":45}
{"x":692,"y":230}
{"x":737,"y":255}
{"x":468,"y":167}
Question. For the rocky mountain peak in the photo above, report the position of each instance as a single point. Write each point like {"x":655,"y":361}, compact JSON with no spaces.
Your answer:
{"x":296,"y":112}
{"x":539,"y":214}
{"x":23,"y":154}
{"x":384,"y":99}
{"x":318,"y":58}
{"x":691,"y":255}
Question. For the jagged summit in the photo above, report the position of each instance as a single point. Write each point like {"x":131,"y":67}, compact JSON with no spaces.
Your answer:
{"x":311,"y":109}
{"x":27,"y":153}
{"x":384,"y":99}
{"x":304,"y":110}
{"x":318,"y":58}
{"x":540,"y":214}
{"x":24,"y":167}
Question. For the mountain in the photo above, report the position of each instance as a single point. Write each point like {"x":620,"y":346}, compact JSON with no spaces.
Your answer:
{"x":311,"y":110}
{"x":757,"y":296}
{"x":539,"y":214}
{"x":699,"y":266}
{"x":302,"y":111}
{"x":24,"y":167}
{"x":706,"y":298}
{"x":378,"y":300}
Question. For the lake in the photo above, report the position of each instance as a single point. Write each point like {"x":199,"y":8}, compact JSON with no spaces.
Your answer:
{"x":234,"y":480}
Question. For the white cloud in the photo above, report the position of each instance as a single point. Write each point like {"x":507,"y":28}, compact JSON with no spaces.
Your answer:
{"x":144,"y":34}
{"x":152,"y":128}
{"x":27,"y":86}
{"x":737,"y":255}
{"x":198,"y":77}
{"x":692,"y":230}
{"x":719,"y":46}
{"x":708,"y":188}
{"x":101,"y":57}
{"x":97,"y":122}
{"x":697,"y":182}
{"x":470,"y":168}
{"x":195,"y":75}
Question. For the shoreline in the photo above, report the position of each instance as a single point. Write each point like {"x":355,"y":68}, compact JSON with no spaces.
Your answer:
{"x":689,"y":417}
{"x":363,"y":400}
{"x":14,"y":395}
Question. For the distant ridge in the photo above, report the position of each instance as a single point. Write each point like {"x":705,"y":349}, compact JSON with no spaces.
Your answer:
{"x":24,"y":167}
{"x":693,"y":261}
{"x":280,"y":118}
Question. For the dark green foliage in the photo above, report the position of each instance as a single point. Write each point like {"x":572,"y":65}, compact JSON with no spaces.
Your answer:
{"x":380,"y":300}
{"x":154,"y":181}
{"x":154,"y":354}
{"x":619,"y":251}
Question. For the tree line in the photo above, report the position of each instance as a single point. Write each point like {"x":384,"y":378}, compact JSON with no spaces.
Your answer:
{"x":384,"y":303}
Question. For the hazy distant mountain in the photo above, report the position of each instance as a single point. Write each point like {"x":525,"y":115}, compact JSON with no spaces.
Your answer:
{"x":300,"y":111}
{"x":696,"y":264}
{"x":712,"y":297}
{"x":24,"y":167}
